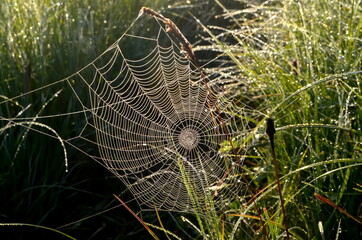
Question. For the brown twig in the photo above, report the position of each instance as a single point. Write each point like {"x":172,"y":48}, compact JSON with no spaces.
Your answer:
{"x":172,"y":28}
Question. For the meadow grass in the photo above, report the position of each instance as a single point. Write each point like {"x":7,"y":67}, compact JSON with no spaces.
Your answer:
{"x":297,"y":62}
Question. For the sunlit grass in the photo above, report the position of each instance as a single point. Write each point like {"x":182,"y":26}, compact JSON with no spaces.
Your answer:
{"x":299,"y":62}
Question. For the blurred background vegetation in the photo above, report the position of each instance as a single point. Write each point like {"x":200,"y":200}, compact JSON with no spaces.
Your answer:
{"x":272,"y":50}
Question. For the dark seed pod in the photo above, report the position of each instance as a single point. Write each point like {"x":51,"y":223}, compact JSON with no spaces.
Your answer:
{"x":270,"y":129}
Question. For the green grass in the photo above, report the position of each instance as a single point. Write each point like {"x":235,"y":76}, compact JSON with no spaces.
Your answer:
{"x":298,"y":62}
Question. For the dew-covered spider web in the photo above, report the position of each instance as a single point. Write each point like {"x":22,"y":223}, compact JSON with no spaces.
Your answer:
{"x":146,"y":112}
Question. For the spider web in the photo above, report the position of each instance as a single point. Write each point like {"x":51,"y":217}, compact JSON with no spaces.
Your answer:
{"x":152,"y":122}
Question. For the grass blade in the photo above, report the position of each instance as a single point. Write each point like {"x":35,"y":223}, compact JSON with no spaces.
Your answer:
{"x":37,"y":226}
{"x":326,"y":200}
{"x":138,"y":218}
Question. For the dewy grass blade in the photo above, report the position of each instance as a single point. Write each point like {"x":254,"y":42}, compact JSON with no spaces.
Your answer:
{"x":37,"y":226}
{"x":161,"y":223}
{"x":313,"y":84}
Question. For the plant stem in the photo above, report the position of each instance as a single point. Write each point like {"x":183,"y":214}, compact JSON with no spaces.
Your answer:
{"x":137,"y":217}
{"x":270,"y":131}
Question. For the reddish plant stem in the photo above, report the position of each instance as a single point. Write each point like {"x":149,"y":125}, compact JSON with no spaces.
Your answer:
{"x":329,"y":202}
{"x":137,"y":217}
{"x":270,"y":131}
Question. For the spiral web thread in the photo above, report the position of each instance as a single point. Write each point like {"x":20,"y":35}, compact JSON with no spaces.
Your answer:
{"x":151,"y":121}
